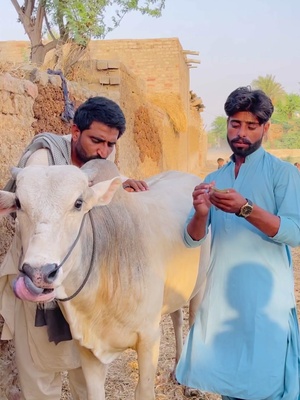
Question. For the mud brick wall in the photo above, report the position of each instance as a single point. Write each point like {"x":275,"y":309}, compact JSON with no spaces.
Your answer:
{"x":150,"y":80}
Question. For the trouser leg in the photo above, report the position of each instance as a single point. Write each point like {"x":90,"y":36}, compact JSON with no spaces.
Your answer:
{"x":36,"y":384}
{"x":77,"y":384}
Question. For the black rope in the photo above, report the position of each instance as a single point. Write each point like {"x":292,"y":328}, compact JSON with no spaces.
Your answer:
{"x":91,"y":264}
{"x":74,"y":243}
{"x":69,"y":111}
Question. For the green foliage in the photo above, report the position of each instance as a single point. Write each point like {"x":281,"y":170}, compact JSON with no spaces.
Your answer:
{"x":219,"y":127}
{"x":287,"y":114}
{"x":269,"y":85}
{"x":291,"y":140}
{"x":76,"y":21}
{"x":287,"y":108}
{"x":218,"y":131}
{"x":81,"y":20}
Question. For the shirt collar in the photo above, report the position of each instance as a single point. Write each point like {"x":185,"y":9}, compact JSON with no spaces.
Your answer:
{"x":252,"y":157}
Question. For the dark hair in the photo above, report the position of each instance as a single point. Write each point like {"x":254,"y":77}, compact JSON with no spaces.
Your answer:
{"x":100,"y":109}
{"x":254,"y":101}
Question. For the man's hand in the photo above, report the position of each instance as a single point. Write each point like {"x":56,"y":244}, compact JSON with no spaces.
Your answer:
{"x":132,"y":185}
{"x":201,"y":199}
{"x":227,"y":200}
{"x":201,"y":202}
{"x":230,"y":201}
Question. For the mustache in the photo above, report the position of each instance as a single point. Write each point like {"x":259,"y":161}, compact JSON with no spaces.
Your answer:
{"x":96,"y":158}
{"x":241,"y":140}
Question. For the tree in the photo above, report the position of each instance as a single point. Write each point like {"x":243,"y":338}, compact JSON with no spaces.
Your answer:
{"x":287,"y":108}
{"x":272,"y":88}
{"x":75,"y":21}
{"x":287,"y":115}
{"x":218,"y":131}
{"x":291,"y":140}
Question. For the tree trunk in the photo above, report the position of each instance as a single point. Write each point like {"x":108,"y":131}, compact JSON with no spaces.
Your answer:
{"x":39,"y":51}
{"x":37,"y":54}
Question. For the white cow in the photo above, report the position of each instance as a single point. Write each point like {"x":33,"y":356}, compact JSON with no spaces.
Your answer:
{"x":116,"y":260}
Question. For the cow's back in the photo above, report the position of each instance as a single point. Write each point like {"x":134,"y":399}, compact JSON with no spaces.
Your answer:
{"x":173,"y":190}
{"x":154,"y":222}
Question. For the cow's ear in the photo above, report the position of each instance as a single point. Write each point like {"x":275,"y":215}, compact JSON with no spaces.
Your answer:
{"x":7,"y":203}
{"x":104,"y":191}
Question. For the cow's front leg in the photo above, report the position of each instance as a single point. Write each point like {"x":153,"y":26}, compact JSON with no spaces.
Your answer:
{"x":147,"y":354}
{"x":95,"y":373}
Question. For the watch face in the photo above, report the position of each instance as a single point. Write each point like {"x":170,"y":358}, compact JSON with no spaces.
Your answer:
{"x":246,"y":210}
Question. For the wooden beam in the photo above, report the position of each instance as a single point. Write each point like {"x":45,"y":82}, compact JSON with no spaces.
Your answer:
{"x":189,"y":60}
{"x":195,"y":53}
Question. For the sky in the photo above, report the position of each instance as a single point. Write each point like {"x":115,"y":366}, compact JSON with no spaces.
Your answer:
{"x":237,"y":42}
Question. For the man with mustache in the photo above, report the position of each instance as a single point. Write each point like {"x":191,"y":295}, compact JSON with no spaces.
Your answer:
{"x":44,"y":346}
{"x":245,"y":341}
{"x":97,"y":125}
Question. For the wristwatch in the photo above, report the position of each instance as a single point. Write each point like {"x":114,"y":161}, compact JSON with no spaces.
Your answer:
{"x":245,"y":210}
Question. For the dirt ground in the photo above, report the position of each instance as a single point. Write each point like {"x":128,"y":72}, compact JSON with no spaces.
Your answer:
{"x":123,"y":372}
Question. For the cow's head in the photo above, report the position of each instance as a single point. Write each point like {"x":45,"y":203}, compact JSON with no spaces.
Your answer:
{"x":51,"y":202}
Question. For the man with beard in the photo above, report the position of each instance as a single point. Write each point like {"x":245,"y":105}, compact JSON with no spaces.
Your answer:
{"x":97,"y":125}
{"x":245,"y":340}
{"x":44,"y":346}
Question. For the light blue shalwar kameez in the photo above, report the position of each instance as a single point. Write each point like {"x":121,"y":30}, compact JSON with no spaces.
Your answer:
{"x":245,"y":341}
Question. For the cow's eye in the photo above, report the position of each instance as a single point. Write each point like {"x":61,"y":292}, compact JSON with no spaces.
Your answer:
{"x":78,"y":204}
{"x":18,"y":204}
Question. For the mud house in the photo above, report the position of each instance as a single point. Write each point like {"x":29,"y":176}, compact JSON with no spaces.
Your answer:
{"x":150,"y":79}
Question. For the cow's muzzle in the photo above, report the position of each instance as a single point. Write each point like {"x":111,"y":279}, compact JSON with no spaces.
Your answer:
{"x":36,"y":284}
{"x":43,"y":276}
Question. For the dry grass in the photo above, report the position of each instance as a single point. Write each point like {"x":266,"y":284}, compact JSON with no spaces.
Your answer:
{"x":14,"y":69}
{"x":69,"y":59}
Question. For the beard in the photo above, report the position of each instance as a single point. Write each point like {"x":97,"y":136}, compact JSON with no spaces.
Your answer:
{"x":82,"y":155}
{"x":245,"y":151}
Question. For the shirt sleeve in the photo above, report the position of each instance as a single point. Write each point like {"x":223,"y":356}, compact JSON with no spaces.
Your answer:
{"x":287,"y":195}
{"x":188,"y":240}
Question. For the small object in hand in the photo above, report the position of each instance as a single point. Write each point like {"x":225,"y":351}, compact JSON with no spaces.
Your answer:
{"x":220,"y":190}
